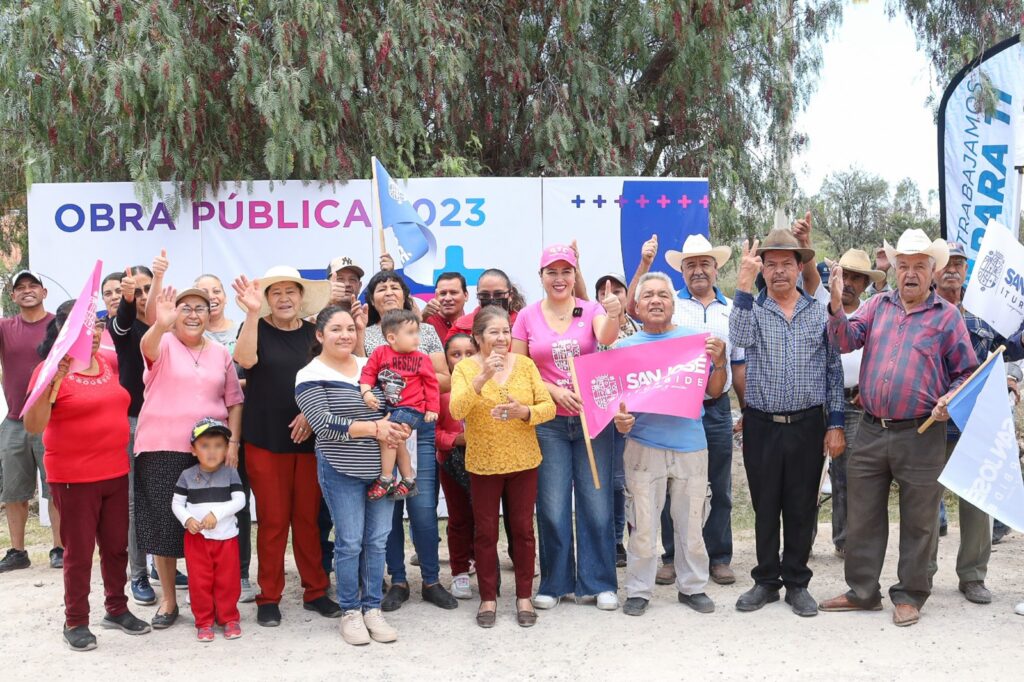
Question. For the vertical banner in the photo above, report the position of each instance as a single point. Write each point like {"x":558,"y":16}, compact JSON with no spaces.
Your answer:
{"x":980,"y":143}
{"x":996,"y":291}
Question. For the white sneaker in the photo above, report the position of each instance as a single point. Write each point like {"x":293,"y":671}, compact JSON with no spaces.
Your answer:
{"x":1020,"y":609}
{"x":248,"y":594}
{"x":607,"y":601}
{"x":543,"y":601}
{"x":353,"y":630}
{"x":461,"y":588}
{"x":378,"y":627}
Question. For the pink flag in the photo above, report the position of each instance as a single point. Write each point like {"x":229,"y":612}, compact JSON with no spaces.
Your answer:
{"x":74,"y":339}
{"x":662,"y":377}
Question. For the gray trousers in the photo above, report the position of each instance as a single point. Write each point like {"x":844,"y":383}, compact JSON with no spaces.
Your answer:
{"x":136,"y":559}
{"x":975,"y":539}
{"x":914,"y":461}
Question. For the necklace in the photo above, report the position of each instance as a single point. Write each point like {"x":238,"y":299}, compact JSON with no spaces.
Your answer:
{"x":196,"y":358}
{"x":561,"y":317}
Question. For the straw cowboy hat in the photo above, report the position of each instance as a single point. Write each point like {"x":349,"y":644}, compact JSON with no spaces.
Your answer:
{"x":315,"y":293}
{"x":782,"y":239}
{"x":857,"y":261}
{"x":914,"y":242}
{"x":697,"y":245}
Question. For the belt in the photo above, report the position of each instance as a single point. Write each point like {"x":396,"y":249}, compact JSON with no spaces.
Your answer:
{"x":851,"y":393}
{"x":712,"y":401}
{"x":786,"y":417}
{"x":895,"y":424}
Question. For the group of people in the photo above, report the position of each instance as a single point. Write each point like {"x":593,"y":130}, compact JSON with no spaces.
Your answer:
{"x":345,"y":408}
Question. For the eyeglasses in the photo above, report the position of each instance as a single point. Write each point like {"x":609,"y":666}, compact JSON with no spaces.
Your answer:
{"x":198,"y":310}
{"x":487,"y":297}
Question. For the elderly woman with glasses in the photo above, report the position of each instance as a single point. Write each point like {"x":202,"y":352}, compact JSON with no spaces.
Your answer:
{"x":187,"y":377}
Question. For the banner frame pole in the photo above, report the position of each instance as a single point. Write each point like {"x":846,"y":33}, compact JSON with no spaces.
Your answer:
{"x":992,"y":356}
{"x":586,"y":429}
{"x":375,"y":205}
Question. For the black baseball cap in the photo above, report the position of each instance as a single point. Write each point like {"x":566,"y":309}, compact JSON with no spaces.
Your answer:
{"x":209,"y":427}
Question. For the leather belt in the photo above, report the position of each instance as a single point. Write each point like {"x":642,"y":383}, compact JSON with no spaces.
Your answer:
{"x":895,"y":424}
{"x":786,"y":417}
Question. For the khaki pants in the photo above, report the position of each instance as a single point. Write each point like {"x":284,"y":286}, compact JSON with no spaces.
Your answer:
{"x":649,"y":471}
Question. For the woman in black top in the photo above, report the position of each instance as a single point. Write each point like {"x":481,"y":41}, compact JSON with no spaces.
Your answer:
{"x":273,"y":345}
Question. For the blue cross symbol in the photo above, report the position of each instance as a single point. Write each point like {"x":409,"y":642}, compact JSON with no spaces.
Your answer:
{"x":579,"y":201}
{"x":454,"y":261}
{"x":600,"y":201}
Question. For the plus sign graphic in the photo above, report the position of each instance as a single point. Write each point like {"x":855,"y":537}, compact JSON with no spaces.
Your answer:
{"x":664,"y":201}
{"x":579,"y":201}
{"x":704,"y":201}
{"x":454,"y":261}
{"x":643,"y":201}
{"x":621,"y":201}
{"x":600,"y":201}
{"x":684,"y":201}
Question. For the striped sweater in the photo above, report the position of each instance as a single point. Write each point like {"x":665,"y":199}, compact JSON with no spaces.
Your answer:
{"x":331,"y":402}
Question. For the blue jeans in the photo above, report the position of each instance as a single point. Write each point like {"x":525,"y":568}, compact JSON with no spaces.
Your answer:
{"x":422,"y":516}
{"x":618,"y":480}
{"x":718,"y":527}
{"x":361,"y":530}
{"x":565,"y":473}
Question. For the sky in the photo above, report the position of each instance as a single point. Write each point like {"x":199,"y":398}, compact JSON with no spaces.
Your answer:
{"x":870,"y":108}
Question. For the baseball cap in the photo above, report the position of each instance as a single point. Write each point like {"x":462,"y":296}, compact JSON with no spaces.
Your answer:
{"x":26,"y":273}
{"x":191,"y":292}
{"x":557,"y":252}
{"x":344,"y":263}
{"x":614,"y":276}
{"x":1013,"y":371}
{"x":956,"y":249}
{"x":209,"y":426}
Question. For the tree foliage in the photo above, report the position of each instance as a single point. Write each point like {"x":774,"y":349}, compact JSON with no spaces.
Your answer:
{"x":199,"y":91}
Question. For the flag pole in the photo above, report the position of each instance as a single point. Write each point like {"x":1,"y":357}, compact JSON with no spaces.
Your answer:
{"x":991,"y":357}
{"x":586,"y":429}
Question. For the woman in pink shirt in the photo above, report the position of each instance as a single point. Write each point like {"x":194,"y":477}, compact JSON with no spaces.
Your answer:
{"x":550,"y":332}
{"x":187,"y":378}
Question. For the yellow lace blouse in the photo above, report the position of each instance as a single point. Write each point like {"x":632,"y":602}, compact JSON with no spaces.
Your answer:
{"x":494,"y":446}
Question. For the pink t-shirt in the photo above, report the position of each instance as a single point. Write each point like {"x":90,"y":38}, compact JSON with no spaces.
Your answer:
{"x":179,"y":392}
{"x":551,"y":351}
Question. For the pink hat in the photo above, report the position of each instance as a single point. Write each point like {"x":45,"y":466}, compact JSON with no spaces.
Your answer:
{"x":557,"y":252}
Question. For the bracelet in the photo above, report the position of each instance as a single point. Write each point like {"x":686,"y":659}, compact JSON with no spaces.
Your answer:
{"x":234,"y":442}
{"x":717,"y":368}
{"x":369,"y":390}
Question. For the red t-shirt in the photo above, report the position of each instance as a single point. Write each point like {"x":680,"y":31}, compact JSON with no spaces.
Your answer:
{"x":441,"y":325}
{"x":86,"y":439}
{"x":447,"y":429}
{"x":407,"y":379}
{"x":18,"y":343}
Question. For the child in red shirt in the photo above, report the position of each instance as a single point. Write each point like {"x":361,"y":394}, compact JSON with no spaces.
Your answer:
{"x":406,"y":376}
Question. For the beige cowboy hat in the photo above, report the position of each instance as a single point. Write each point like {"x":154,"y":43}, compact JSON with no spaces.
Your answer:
{"x":315,"y":293}
{"x":857,"y":261}
{"x":782,"y":239}
{"x":697,"y":245}
{"x":913,"y":242}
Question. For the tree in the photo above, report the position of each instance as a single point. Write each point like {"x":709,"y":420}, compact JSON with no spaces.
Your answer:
{"x":200,"y":91}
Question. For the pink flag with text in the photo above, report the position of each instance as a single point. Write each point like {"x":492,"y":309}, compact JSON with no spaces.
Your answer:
{"x":74,"y":339}
{"x":663,"y":377}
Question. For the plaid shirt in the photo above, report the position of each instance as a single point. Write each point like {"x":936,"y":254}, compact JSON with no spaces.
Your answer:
{"x":791,"y":365}
{"x":910,"y":359}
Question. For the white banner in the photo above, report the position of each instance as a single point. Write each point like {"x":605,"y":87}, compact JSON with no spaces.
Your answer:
{"x":996,"y":291}
{"x":978,"y":150}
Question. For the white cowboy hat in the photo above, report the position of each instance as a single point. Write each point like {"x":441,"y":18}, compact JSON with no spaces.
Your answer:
{"x":915,"y":241}
{"x":697,"y":245}
{"x":857,"y":261}
{"x":315,"y":293}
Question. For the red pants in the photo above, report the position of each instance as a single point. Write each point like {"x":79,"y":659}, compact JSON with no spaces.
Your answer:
{"x":91,"y":514}
{"x":460,"y":523}
{"x":214,"y":581}
{"x":287,"y":497}
{"x":520,"y":491}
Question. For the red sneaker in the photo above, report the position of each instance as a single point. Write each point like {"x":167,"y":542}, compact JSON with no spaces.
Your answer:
{"x":204,"y":635}
{"x":380,"y":488}
{"x":403,"y":489}
{"x":232,"y":630}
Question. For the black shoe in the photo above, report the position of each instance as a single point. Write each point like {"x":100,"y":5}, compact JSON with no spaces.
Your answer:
{"x":802,"y":602}
{"x":397,"y":595}
{"x":324,"y":606}
{"x":268,"y":615}
{"x":756,"y":597}
{"x":943,"y":531}
{"x":700,"y":602}
{"x":162,"y":621}
{"x":998,"y":535}
{"x":180,"y":579}
{"x":126,"y":623}
{"x":438,"y":596}
{"x":57,"y":557}
{"x":15,"y":559}
{"x":635,"y":606}
{"x":79,"y":638}
{"x":620,"y":556}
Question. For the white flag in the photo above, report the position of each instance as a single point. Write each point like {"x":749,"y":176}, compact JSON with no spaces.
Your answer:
{"x":996,"y":290}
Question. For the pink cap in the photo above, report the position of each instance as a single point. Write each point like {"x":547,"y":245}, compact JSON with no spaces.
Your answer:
{"x":557,"y":252}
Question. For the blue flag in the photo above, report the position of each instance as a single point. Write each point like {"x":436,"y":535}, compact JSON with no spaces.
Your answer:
{"x":984,"y":468}
{"x":406,"y":237}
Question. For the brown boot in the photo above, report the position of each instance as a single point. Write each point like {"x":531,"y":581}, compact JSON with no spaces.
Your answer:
{"x":722,"y":574}
{"x":666,"y":575}
{"x":843,"y":603}
{"x":905,"y":614}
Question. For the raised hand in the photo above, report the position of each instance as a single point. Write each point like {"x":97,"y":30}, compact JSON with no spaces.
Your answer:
{"x":576,"y":252}
{"x":716,"y":349}
{"x":128,"y":285}
{"x":248,"y":295}
{"x":160,"y":264}
{"x":360,"y":314}
{"x":836,"y":288}
{"x":493,"y":363}
{"x":802,"y":230}
{"x":386,"y":261}
{"x":612,"y":304}
{"x":340,"y":293}
{"x":750,"y":267}
{"x":624,"y":420}
{"x":433,"y":307}
{"x":881,"y":260}
{"x":166,"y":310}
{"x":649,"y":250}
